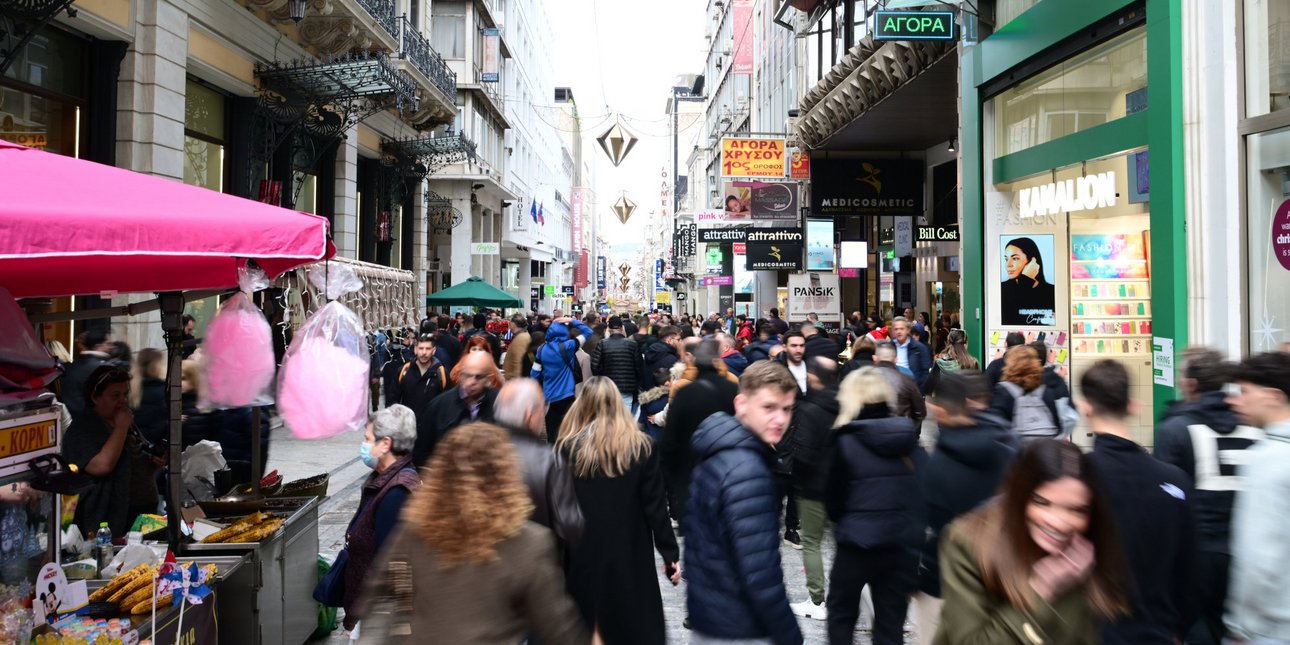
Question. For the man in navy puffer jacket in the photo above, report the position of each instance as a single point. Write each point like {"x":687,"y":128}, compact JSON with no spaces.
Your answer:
{"x":736,"y":583}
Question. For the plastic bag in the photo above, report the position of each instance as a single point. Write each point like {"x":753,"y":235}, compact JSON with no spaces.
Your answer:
{"x":128,"y":558}
{"x":334,"y":279}
{"x":237,"y":354}
{"x":323,"y":386}
{"x":199,"y":463}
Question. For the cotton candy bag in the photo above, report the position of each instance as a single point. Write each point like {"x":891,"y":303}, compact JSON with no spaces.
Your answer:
{"x":237,"y":353}
{"x":323,"y":385}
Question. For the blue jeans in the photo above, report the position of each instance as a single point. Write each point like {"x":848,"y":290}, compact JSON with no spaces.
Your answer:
{"x":629,"y":400}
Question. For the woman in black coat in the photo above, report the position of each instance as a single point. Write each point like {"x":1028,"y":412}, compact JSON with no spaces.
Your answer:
{"x":617,"y":480}
{"x":874,"y":502}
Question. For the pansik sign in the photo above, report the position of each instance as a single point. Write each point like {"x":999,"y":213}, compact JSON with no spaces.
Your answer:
{"x":913,"y":25}
{"x":753,"y":158}
{"x":817,"y":293}
{"x":866,"y":187}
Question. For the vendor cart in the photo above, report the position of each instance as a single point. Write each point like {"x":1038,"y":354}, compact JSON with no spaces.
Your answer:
{"x":132,"y":234}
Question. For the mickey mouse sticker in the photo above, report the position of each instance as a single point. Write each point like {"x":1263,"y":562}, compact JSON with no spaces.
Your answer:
{"x":56,"y":597}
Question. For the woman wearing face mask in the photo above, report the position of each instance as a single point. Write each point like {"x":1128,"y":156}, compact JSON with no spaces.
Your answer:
{"x":103,"y":442}
{"x":387,"y":450}
{"x":1040,"y":564}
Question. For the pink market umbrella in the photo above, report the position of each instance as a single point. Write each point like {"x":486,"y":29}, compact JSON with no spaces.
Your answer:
{"x":74,"y":227}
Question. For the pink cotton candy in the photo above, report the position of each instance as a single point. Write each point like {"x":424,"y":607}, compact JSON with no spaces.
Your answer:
{"x":323,"y":388}
{"x":238,"y":356}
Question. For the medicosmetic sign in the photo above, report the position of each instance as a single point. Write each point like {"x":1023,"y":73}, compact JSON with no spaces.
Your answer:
{"x":753,"y":158}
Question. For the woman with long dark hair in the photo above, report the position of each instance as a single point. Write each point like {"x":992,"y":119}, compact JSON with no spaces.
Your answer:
{"x":620,"y":489}
{"x":955,"y":357}
{"x":1025,"y":297}
{"x":1040,"y":564}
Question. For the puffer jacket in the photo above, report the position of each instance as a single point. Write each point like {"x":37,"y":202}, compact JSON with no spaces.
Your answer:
{"x":557,"y":358}
{"x":760,"y":350}
{"x":659,"y":355}
{"x":965,"y":470}
{"x":732,"y":563}
{"x":617,"y":358}
{"x":1213,"y":467}
{"x":873,"y":496}
{"x":811,"y":437}
{"x":652,"y":402}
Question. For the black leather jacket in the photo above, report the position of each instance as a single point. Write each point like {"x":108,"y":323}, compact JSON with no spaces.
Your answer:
{"x":550,"y":485}
{"x":617,"y":358}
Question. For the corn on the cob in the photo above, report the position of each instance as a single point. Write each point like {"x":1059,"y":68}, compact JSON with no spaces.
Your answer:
{"x":116,"y":583}
{"x":258,"y":532}
{"x":236,"y":527}
{"x":139,"y":581}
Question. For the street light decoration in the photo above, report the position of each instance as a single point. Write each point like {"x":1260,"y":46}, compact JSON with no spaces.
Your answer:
{"x":624,"y":208}
{"x":617,"y":141}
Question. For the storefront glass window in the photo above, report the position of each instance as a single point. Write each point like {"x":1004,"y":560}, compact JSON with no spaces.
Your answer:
{"x":40,"y":93}
{"x":1105,"y":83}
{"x":1269,"y":239}
{"x":54,"y":60}
{"x":204,"y":137}
{"x":1267,"y":56}
{"x":1069,"y":264}
{"x":39,"y":122}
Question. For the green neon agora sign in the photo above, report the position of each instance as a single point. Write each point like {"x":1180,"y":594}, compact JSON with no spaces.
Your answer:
{"x":913,"y":25}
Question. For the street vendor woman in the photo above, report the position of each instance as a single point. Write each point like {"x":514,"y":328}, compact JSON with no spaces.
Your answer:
{"x":103,"y":442}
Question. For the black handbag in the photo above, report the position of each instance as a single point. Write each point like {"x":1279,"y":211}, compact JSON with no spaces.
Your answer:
{"x":330,"y":590}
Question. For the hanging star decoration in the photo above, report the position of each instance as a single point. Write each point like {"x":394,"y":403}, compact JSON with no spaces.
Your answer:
{"x":617,"y":141}
{"x":1268,"y":333}
{"x":624,"y":208}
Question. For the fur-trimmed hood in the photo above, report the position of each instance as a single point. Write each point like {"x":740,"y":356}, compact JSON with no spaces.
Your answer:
{"x":654,"y":394}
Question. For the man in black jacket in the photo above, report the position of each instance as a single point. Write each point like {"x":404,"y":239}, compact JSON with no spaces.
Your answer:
{"x":471,"y":400}
{"x":94,"y":343}
{"x":480,"y":328}
{"x":419,"y":380}
{"x":711,"y":392}
{"x":521,"y":409}
{"x":617,"y":358}
{"x":735,"y":588}
{"x":665,"y":353}
{"x":1202,"y":436}
{"x":810,"y":436}
{"x":1148,"y":500}
{"x":818,"y":343}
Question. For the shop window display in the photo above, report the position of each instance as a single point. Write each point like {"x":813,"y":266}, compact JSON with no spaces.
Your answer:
{"x":1268,"y":242}
{"x":1074,"y":269}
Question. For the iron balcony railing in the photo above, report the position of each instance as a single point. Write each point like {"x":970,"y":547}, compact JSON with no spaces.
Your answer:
{"x":414,"y":48}
{"x":385,"y":14}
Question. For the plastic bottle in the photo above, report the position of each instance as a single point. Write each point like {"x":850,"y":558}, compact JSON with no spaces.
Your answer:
{"x":103,"y":545}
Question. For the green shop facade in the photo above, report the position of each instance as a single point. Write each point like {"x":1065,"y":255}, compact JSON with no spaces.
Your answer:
{"x":1073,"y":190}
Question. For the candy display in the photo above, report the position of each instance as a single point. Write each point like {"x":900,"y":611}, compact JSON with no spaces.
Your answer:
{"x":15,"y":615}
{"x":89,"y":631}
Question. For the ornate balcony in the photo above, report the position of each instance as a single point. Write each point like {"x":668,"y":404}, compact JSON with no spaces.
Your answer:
{"x":333,"y":27}
{"x":438,"y":83}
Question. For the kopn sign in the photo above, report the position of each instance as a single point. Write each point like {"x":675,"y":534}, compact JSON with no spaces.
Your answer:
{"x":753,"y":158}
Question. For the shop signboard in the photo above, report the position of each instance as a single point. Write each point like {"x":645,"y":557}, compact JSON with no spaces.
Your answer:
{"x":683,"y":241}
{"x":817,"y":293}
{"x":742,"y":157}
{"x":739,"y":248}
{"x":492,"y":55}
{"x":938,"y":234}
{"x":550,"y":289}
{"x":485,"y":248}
{"x":819,"y":245}
{"x":717,"y":219}
{"x":799,"y":164}
{"x":1281,"y":234}
{"x":25,"y":437}
{"x":759,"y":200}
{"x":601,"y":270}
{"x":904,"y":236}
{"x":1068,"y":196}
{"x":913,"y":25}
{"x":742,"y":62}
{"x":790,"y":235}
{"x":854,"y":187}
{"x":718,"y":280}
{"x":658,"y":275}
{"x":567,"y":289}
{"x":723,"y":235}
{"x":662,"y":297}
{"x":774,"y":256}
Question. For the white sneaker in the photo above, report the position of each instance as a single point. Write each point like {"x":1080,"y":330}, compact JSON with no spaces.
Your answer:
{"x":808,"y":609}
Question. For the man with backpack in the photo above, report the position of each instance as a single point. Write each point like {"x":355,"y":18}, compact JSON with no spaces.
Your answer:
{"x":555,"y":365}
{"x":419,"y":381}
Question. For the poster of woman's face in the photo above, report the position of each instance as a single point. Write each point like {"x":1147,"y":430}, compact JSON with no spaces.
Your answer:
{"x":1026,"y":295}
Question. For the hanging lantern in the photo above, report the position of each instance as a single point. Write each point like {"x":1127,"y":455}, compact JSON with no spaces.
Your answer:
{"x":624,"y":208}
{"x":617,"y":141}
{"x":297,"y":9}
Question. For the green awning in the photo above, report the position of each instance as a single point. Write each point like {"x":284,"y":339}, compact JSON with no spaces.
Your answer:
{"x":474,"y":292}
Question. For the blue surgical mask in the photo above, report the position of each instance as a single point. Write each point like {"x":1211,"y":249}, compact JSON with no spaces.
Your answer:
{"x":365,"y":453}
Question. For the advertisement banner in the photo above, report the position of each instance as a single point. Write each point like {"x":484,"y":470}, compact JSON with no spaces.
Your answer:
{"x":491,"y":72}
{"x":724,"y":235}
{"x":819,"y":245}
{"x":743,"y":32}
{"x":851,"y":187}
{"x":580,"y":278}
{"x":717,"y":280}
{"x":799,"y":164}
{"x":785,"y":235}
{"x":601,"y":270}
{"x":774,"y":256}
{"x":658,"y":275}
{"x":575,"y":216}
{"x":753,"y":158}
{"x":817,"y":293}
{"x":717,"y":219}
{"x":760,"y":201}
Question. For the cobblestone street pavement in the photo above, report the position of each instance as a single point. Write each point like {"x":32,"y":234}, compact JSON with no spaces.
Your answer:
{"x":339,"y":457}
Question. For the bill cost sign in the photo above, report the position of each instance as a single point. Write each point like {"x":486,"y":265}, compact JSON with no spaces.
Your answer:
{"x":753,"y":158}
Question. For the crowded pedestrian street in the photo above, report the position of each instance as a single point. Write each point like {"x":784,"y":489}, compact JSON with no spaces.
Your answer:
{"x":592,"y":322}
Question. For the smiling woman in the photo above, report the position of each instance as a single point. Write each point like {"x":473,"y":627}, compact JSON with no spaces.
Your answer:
{"x":1040,"y":562}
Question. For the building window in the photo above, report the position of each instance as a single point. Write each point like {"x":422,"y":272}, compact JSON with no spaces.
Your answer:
{"x":1267,"y":56}
{"x":1105,"y":83}
{"x":448,"y":28}
{"x":1268,"y":238}
{"x":204,"y":133}
{"x":43,"y":93}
